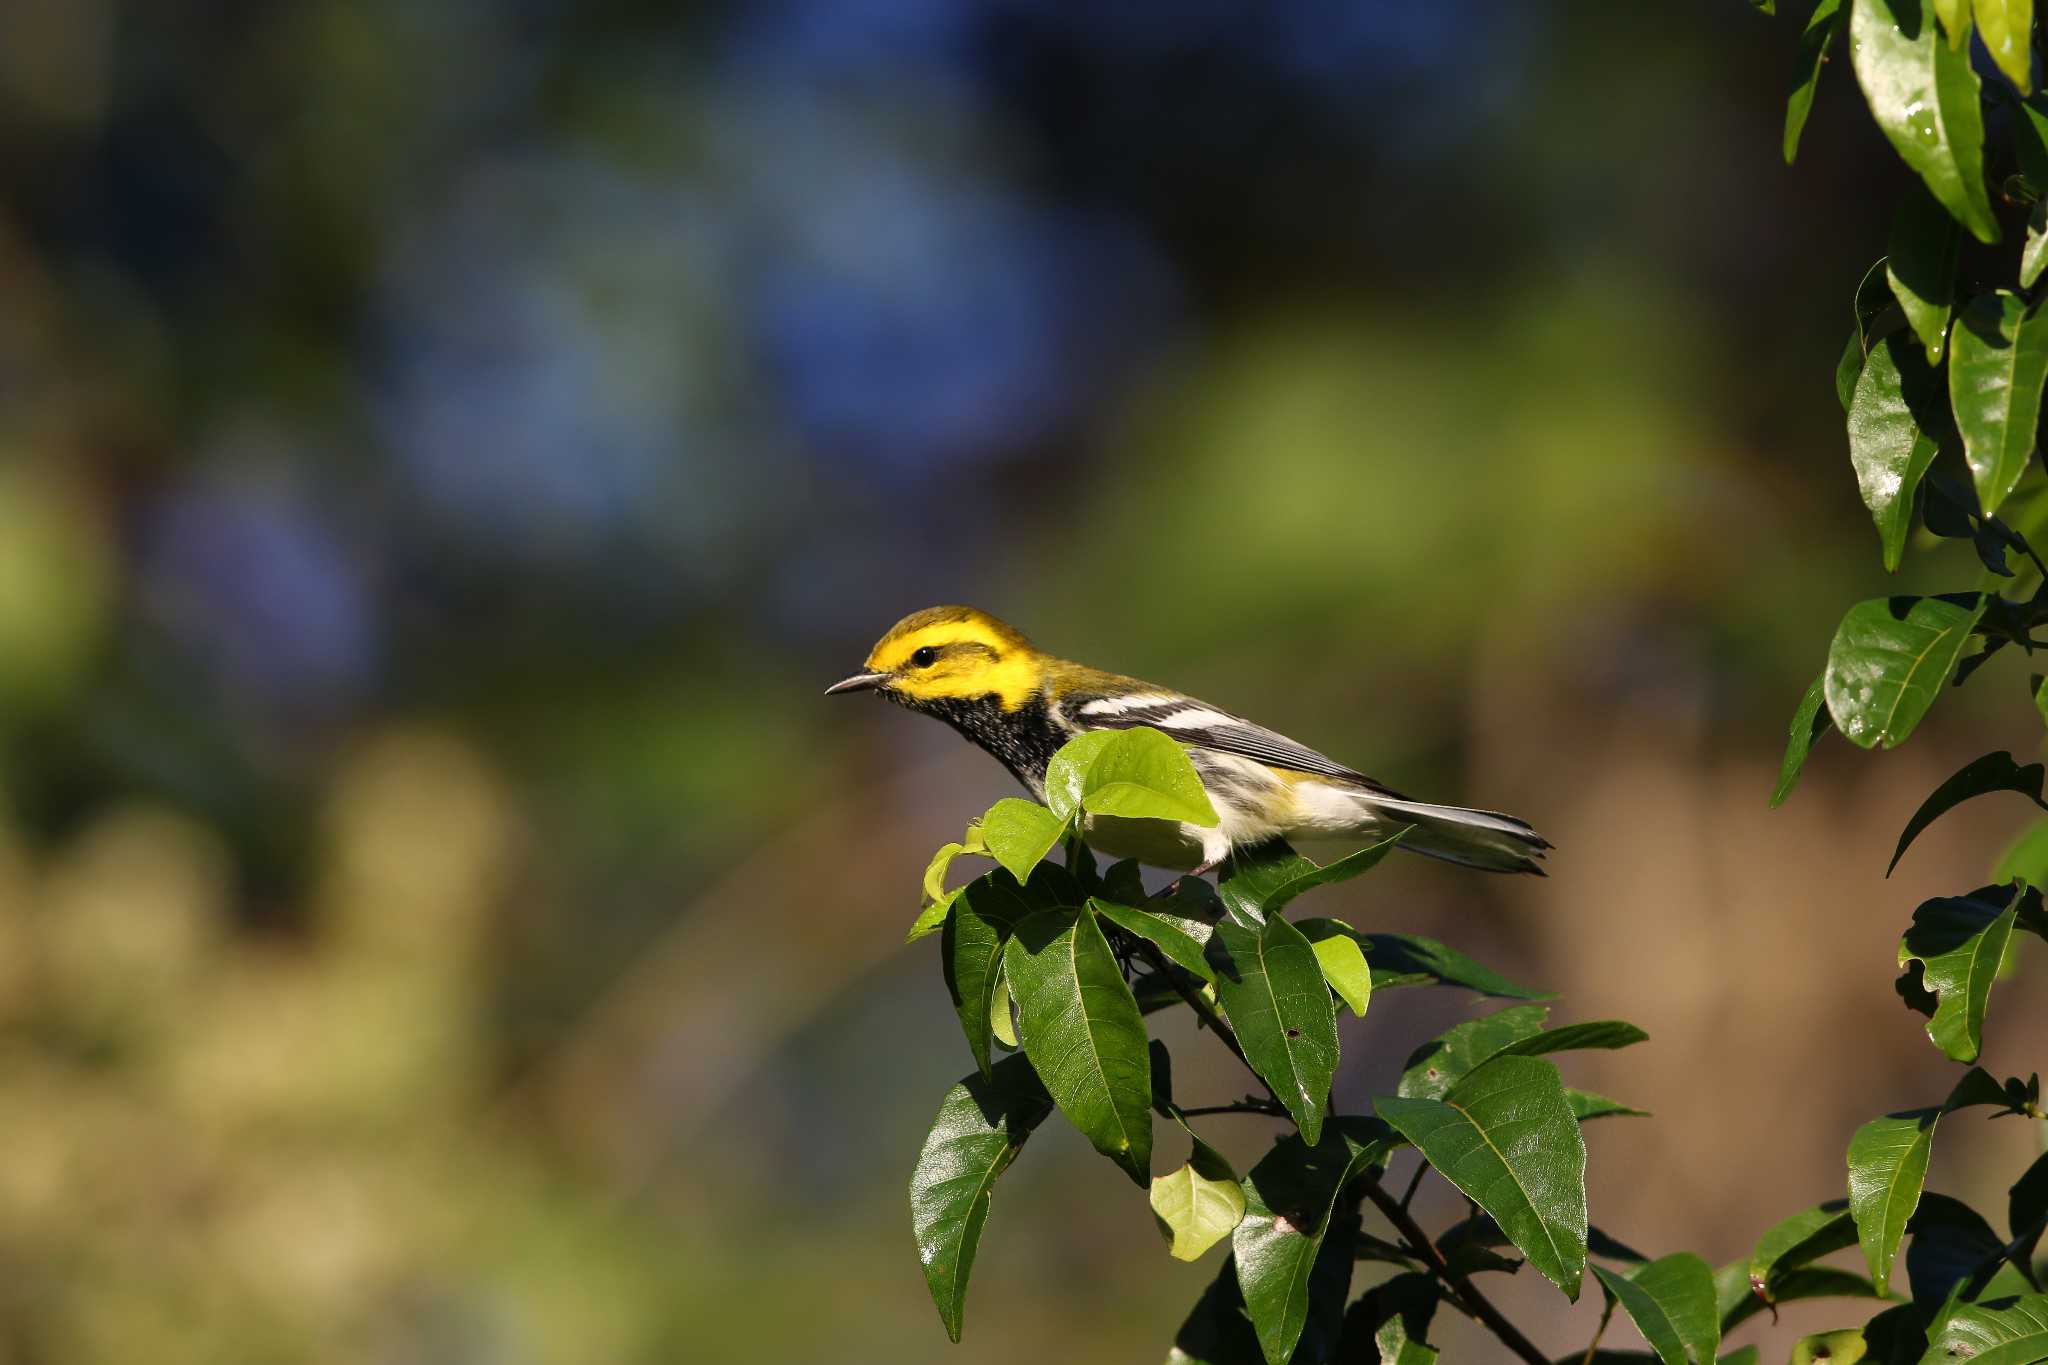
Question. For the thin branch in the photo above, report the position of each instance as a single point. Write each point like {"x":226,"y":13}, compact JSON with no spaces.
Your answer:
{"x":1408,"y":1195}
{"x":1593,"y":1347}
{"x":1244,"y":1106}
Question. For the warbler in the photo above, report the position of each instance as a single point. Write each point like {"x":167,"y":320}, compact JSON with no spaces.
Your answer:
{"x":1020,"y":704}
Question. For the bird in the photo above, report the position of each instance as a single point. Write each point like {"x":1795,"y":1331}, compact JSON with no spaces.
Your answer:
{"x":986,"y":680}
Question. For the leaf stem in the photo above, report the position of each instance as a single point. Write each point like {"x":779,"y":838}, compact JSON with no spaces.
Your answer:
{"x":1593,"y":1346}
{"x":1462,"y":1289}
{"x":1244,"y":1106}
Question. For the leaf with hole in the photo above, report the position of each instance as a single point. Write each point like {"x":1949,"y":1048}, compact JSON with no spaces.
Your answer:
{"x":1083,"y":1033}
{"x":980,"y":1126}
{"x":1506,"y":1137}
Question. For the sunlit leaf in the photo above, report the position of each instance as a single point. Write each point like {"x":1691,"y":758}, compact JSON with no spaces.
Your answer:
{"x":981,"y":1124}
{"x":2012,"y":1332}
{"x":1433,"y":1068}
{"x":1828,"y":19}
{"x":1920,"y":266}
{"x":1272,"y":987}
{"x":1671,"y":1301}
{"x":1020,"y":833}
{"x":1924,"y":96}
{"x":1505,"y":1135}
{"x":1260,"y":882}
{"x":1998,"y":365}
{"x":1889,"y":445}
{"x":1412,"y":960}
{"x":2007,"y":29}
{"x":1066,"y":774}
{"x":1889,"y":660}
{"x":1343,"y":964}
{"x":1141,"y":774}
{"x":1083,"y":1033}
{"x":1184,"y":940}
{"x":1844,"y":1347}
{"x":1959,"y":942}
{"x":1796,"y":1241}
{"x":1198,"y":1204}
{"x":1887,"y":1168}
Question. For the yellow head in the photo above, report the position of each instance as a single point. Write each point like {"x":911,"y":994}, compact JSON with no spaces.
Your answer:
{"x":946,"y":653}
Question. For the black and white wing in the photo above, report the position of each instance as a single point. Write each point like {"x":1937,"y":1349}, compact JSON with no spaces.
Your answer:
{"x":1204,"y":726}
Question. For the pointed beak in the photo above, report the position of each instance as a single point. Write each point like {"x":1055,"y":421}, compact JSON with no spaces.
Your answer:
{"x":859,"y":682}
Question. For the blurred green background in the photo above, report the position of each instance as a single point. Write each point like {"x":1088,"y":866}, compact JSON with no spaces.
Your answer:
{"x":446,"y":448}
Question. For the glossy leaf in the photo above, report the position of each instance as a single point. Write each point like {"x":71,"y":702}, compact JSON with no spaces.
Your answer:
{"x":1506,"y":1137}
{"x":1412,"y":960}
{"x":1828,"y":19}
{"x":1804,"y":1237}
{"x":1184,"y":941}
{"x":1809,"y":722}
{"x":1020,"y":833}
{"x":1587,"y":1105}
{"x":1671,"y":1301}
{"x":1261,"y":881}
{"x":1889,"y":660}
{"x":1959,"y":942}
{"x":1924,"y":96}
{"x":1843,"y":1347}
{"x":2007,"y":30}
{"x":984,"y":914}
{"x":1066,"y":773}
{"x":1432,"y":1069}
{"x":1606,"y":1034}
{"x":1794,"y":1286}
{"x":1343,"y":964}
{"x":1887,"y":1168}
{"x":1991,"y":773}
{"x":981,"y":1124}
{"x":1142,"y":774}
{"x":1083,"y":1033}
{"x":1271,"y":986}
{"x":1290,"y":1204}
{"x":1198,"y":1204}
{"x":2011,"y":1332}
{"x":1890,"y":447}
{"x":1920,"y":266}
{"x":1876,"y":314}
{"x":1995,"y":375}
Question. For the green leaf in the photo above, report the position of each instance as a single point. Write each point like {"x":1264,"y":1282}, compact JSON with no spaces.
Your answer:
{"x":1198,"y":1204}
{"x":2007,"y":28}
{"x":1183,"y":939}
{"x":931,"y":918}
{"x":2026,"y":858}
{"x":1343,"y":965}
{"x":1889,"y":659}
{"x":1921,"y":267}
{"x":1794,"y":1286}
{"x":1991,"y":773}
{"x":1889,"y":445}
{"x":2026,"y":1207}
{"x":1083,"y":1033}
{"x":1876,"y":314}
{"x":1261,"y":881}
{"x":1587,"y":1105}
{"x":1951,"y":1243}
{"x":1959,"y":942}
{"x":984,"y":914}
{"x":1671,"y":1301}
{"x":1020,"y":833}
{"x":1809,"y":722}
{"x":1218,"y":1331}
{"x":2034,"y":257}
{"x":1505,"y":1135}
{"x":1432,"y":1069}
{"x":1066,"y":774}
{"x":1804,"y":1237}
{"x":2012,"y":1332}
{"x":1924,"y":96}
{"x":1395,"y":1315}
{"x":1608,"y":1034}
{"x":1887,"y":1167}
{"x":1995,"y":376}
{"x":1828,"y":19}
{"x":1271,"y":986}
{"x":1954,"y":16}
{"x":980,"y":1126}
{"x":1843,"y":1347}
{"x":1280,"y":1247}
{"x":1412,"y":960}
{"x":1000,"y":1025}
{"x":1141,"y":774}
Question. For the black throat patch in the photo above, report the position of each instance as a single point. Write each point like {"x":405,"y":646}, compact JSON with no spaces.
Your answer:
{"x":1023,"y":740}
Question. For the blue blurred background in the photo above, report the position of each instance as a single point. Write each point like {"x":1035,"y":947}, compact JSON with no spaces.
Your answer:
{"x":446,"y":448}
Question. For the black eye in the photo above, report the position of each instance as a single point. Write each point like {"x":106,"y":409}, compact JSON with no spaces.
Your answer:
{"x":924,"y":658}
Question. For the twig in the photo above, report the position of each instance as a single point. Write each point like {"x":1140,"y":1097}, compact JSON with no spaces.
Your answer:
{"x":1462,"y":1289}
{"x":1593,"y":1347}
{"x":1245,"y":1106}
{"x":1408,"y":1195}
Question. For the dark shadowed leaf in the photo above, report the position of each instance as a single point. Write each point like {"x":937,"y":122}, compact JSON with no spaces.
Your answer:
{"x":1083,"y":1033}
{"x":1394,"y":1316}
{"x":1995,"y":376}
{"x":984,"y":913}
{"x":1925,"y":97}
{"x":1959,"y":942}
{"x":1890,"y":443}
{"x":1809,"y":722}
{"x":1262,"y":881}
{"x":1671,"y":1301}
{"x":2027,"y":1207}
{"x":1019,"y":833}
{"x":2005,"y":1332}
{"x":1828,"y":18}
{"x":2035,"y":256}
{"x":981,"y":1124}
{"x":1991,"y":773}
{"x":1142,"y":774}
{"x":1505,"y":1135}
{"x":1218,"y":1331}
{"x":1184,"y":940}
{"x":1921,"y":267}
{"x":1887,"y":1168}
{"x":1271,"y":986}
{"x":1282,"y":1244}
{"x":1889,"y":660}
{"x":1951,"y":1242}
{"x":1436,"y":1066}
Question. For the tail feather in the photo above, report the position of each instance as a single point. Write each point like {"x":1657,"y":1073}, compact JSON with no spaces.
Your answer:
{"x":1473,"y":838}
